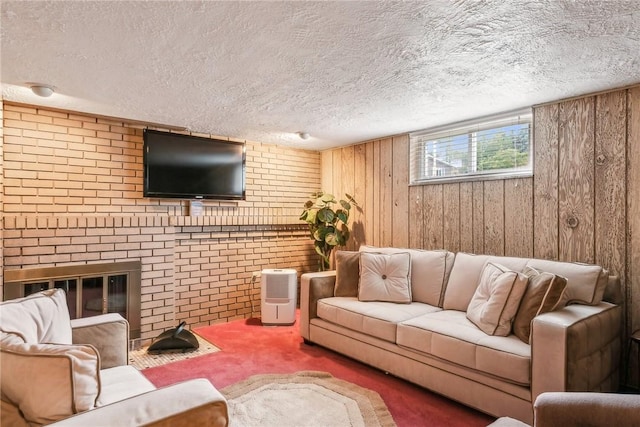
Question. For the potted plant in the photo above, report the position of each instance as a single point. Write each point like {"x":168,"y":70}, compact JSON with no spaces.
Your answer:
{"x":328,"y":227}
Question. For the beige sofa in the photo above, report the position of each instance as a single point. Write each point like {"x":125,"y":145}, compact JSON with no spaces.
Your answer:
{"x":55,"y":371}
{"x":438,"y":338}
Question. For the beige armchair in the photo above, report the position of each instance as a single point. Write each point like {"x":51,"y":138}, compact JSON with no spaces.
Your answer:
{"x":54,"y":371}
{"x":569,"y":409}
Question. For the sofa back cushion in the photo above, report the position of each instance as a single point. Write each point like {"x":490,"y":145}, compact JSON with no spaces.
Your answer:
{"x":465,"y":276}
{"x":48,"y":382}
{"x":429,"y":272}
{"x":347,"y":274}
{"x":586,"y":283}
{"x":495,"y":302}
{"x":42,"y":317}
{"x":385,"y":277}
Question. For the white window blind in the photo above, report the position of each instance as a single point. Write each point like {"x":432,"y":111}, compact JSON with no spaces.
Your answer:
{"x":496,"y":146}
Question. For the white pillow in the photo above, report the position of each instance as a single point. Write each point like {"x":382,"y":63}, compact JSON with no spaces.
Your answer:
{"x":49,"y":382}
{"x":385,"y":277}
{"x":496,"y":299}
{"x":42,"y":317}
{"x":429,"y":271}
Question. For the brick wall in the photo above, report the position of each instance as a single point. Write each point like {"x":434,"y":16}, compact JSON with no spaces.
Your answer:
{"x":73,"y":195}
{"x":1,"y":200}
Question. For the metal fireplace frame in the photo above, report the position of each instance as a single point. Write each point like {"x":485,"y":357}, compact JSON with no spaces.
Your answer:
{"x":15,"y":282}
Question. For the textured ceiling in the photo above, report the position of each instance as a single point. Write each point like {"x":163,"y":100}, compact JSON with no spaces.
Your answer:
{"x":342,"y":71}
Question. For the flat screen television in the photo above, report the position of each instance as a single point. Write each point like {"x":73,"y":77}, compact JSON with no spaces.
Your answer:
{"x":191,"y":167}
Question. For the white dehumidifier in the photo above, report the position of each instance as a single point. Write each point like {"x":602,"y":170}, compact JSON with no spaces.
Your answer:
{"x":279,"y":288}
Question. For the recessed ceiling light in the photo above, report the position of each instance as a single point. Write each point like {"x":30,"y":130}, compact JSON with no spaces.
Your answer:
{"x":303,"y":135}
{"x":42,"y":90}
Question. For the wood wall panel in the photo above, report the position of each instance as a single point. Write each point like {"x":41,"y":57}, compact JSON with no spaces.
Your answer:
{"x":348,"y":181}
{"x":358,"y":219}
{"x":518,"y":217}
{"x":369,"y":202}
{"x":576,"y":180}
{"x":416,"y":217}
{"x":466,"y":217}
{"x":494,"y":211}
{"x":632,"y":291}
{"x":386,"y":189}
{"x":326,"y":167}
{"x":545,"y":182}
{"x":400,"y":192}
{"x":377,"y":196}
{"x":610,"y":181}
{"x":433,"y":217}
{"x":451,"y":216}
{"x":478,"y":217}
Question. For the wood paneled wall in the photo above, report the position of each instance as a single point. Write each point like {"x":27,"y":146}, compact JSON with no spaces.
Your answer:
{"x":582,"y":204}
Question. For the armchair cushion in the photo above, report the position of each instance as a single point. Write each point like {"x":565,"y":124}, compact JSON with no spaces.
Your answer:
{"x":49,"y":382}
{"x":42,"y":317}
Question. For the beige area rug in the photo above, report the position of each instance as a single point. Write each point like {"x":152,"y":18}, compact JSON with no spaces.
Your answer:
{"x":140,"y":359}
{"x":304,"y":399}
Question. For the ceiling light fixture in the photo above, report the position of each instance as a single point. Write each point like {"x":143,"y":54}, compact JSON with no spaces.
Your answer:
{"x":303,"y":135}
{"x":42,"y":90}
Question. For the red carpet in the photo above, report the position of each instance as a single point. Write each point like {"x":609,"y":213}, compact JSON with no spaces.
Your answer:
{"x":248,"y":348}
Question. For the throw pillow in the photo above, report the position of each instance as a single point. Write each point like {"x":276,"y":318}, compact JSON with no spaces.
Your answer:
{"x":42,"y":317}
{"x":543,"y":294}
{"x":496,"y":299}
{"x":385,"y":277}
{"x":347,"y":274}
{"x":49,"y":382}
{"x":429,"y":272}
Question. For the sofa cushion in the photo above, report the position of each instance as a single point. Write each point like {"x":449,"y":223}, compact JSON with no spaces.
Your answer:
{"x":543,"y":295}
{"x":385,"y":277}
{"x":378,"y":319}
{"x":42,"y":317}
{"x":496,"y":300}
{"x":450,"y":336}
{"x":120,"y":383}
{"x":49,"y":382}
{"x":465,"y":277}
{"x":586,"y":283}
{"x":429,"y":272}
{"x":347,"y":274}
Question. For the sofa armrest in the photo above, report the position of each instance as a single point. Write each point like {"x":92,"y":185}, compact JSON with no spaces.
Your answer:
{"x":109,"y":333}
{"x":190,"y":403}
{"x":313,"y":286}
{"x":582,"y":409}
{"x":576,"y":348}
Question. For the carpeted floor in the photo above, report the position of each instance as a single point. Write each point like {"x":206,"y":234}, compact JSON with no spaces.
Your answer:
{"x":247,"y":348}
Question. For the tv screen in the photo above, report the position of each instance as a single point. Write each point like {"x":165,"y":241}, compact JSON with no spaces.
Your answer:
{"x":191,"y":167}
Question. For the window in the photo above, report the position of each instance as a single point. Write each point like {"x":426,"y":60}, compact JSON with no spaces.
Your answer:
{"x":498,"y":146}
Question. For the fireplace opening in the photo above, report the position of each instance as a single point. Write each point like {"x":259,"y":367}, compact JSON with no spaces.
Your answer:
{"x":91,"y":289}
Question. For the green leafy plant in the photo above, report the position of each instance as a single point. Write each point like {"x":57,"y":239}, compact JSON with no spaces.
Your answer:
{"x":327,"y":227}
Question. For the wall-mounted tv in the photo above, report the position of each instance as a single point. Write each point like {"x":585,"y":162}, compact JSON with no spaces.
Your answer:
{"x":192,"y":167}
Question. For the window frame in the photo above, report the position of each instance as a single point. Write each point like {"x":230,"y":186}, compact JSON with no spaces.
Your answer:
{"x":419,"y":139}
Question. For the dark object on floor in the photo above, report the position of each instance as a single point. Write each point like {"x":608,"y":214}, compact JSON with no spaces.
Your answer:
{"x":177,"y":339}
